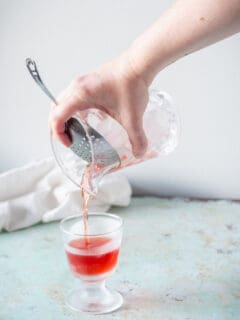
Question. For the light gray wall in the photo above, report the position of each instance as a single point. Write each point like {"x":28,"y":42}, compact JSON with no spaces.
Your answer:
{"x":67,"y":38}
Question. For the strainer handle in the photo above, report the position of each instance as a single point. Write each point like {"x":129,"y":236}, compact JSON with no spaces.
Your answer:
{"x":32,"y":68}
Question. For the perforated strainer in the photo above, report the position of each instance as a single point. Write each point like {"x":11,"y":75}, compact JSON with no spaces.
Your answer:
{"x":87,"y":143}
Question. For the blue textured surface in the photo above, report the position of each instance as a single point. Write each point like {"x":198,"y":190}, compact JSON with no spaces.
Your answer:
{"x":180,"y":260}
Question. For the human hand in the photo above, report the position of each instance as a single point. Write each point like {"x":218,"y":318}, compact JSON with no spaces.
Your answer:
{"x":114,"y":88}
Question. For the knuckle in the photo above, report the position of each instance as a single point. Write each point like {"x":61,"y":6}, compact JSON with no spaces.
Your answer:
{"x":80,"y":79}
{"x":76,"y":82}
{"x":85,"y":89}
{"x":142,"y":143}
{"x":82,"y":86}
{"x":139,"y":140}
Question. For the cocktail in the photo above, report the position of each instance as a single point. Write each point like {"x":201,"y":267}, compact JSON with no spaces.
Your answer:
{"x":92,"y":256}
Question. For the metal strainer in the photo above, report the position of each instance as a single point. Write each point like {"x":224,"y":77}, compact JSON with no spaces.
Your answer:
{"x":87,"y":143}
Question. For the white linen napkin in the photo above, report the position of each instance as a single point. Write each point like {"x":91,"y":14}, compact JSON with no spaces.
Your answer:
{"x":39,"y":191}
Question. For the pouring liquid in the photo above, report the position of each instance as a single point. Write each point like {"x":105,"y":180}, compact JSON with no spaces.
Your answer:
{"x":89,"y":175}
{"x":85,"y":196}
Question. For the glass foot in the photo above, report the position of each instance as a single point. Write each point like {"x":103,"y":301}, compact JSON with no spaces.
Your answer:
{"x":94,"y":299}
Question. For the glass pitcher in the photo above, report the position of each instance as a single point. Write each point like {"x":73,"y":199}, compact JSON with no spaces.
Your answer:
{"x":161,"y":126}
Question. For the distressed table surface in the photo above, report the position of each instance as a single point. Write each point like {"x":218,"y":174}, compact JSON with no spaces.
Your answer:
{"x":180,"y":260}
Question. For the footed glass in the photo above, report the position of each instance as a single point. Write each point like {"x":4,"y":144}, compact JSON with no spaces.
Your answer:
{"x":92,"y":259}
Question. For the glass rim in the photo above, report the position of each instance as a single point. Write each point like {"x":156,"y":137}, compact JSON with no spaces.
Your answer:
{"x":103,"y":214}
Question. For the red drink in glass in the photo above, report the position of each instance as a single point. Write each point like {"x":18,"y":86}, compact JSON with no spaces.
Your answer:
{"x":92,"y":256}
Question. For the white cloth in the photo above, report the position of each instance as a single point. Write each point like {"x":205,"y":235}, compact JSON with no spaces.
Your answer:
{"x":39,"y":191}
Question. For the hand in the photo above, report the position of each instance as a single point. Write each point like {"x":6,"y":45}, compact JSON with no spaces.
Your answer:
{"x":114,"y":88}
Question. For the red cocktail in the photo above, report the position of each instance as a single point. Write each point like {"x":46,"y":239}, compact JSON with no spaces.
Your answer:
{"x":92,"y":256}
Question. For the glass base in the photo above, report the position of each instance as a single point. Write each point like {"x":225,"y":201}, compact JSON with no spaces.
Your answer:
{"x":94,"y":298}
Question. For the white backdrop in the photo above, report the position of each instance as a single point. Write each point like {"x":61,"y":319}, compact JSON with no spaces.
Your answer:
{"x":68,"y":38}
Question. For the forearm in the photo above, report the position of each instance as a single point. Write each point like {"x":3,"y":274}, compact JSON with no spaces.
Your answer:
{"x":187,"y":26}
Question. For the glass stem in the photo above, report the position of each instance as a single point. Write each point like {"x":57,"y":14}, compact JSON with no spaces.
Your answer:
{"x":95,"y":291}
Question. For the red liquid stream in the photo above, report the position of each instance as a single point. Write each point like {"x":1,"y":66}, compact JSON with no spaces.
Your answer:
{"x":86,"y":184}
{"x":85,"y":263}
{"x":85,"y":198}
{"x":86,"y":180}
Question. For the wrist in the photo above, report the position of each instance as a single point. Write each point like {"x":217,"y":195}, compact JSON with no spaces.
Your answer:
{"x":126,"y":70}
{"x":138,"y":64}
{"x":143,"y":62}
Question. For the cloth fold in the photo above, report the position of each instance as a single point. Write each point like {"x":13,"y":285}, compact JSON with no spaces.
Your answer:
{"x":39,"y":191}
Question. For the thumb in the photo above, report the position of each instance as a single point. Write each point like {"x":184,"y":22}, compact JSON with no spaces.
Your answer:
{"x":136,"y":136}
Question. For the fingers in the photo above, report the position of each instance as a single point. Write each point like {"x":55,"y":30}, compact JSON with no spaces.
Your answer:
{"x":136,"y":136}
{"x":72,"y":101}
